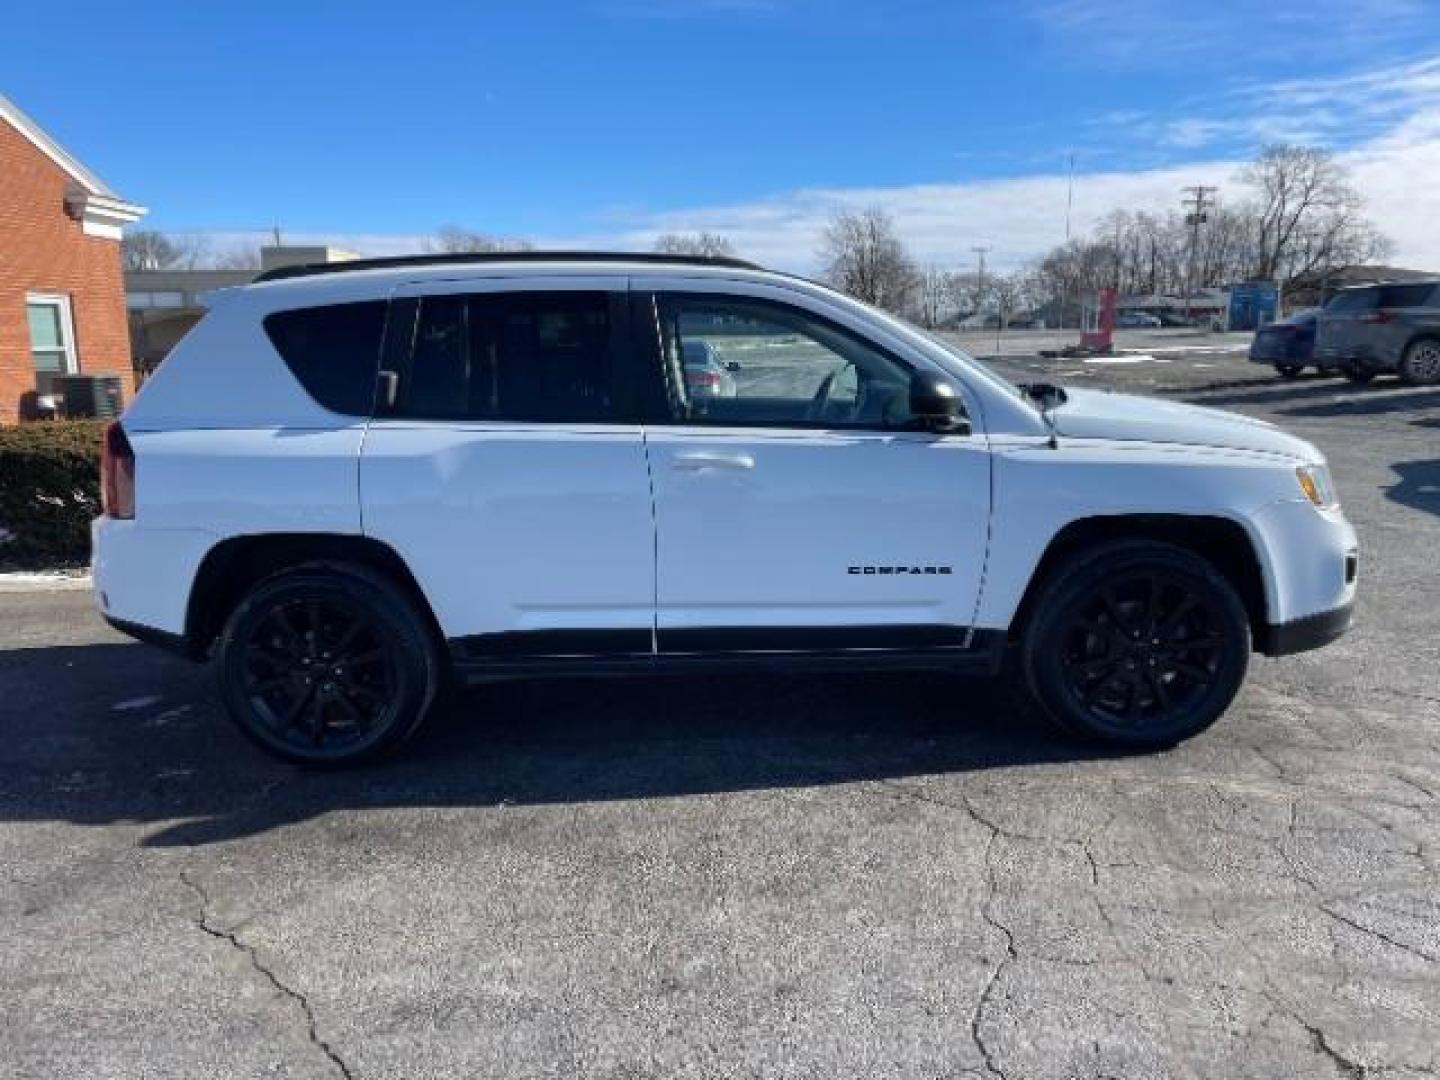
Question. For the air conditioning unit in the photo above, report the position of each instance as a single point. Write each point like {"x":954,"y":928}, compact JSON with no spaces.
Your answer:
{"x":95,"y":397}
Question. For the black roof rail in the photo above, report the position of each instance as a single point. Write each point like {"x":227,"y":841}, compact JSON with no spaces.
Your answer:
{"x":480,"y":258}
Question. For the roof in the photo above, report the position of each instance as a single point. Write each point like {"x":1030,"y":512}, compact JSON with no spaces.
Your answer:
{"x":483,"y":258}
{"x":101,"y":211}
{"x":1343,"y":276}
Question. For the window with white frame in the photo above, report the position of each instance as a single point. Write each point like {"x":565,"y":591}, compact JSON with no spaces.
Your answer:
{"x":52,"y":338}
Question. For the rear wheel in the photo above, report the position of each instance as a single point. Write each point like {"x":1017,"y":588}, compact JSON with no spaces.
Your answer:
{"x":1289,"y":371}
{"x":1420,"y":366}
{"x":327,"y":665}
{"x":1136,"y":644}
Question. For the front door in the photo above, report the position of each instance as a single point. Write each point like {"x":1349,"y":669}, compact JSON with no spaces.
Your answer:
{"x":797,"y":507}
{"x":509,"y":473}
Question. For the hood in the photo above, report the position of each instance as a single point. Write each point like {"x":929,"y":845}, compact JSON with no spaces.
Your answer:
{"x":1100,"y":414}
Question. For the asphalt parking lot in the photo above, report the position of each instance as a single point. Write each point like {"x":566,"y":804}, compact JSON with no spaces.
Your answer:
{"x":840,"y":876}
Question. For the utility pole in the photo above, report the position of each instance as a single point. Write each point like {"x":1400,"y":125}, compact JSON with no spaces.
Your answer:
{"x":1197,"y":203}
{"x":980,"y":278}
{"x":1069,"y":198}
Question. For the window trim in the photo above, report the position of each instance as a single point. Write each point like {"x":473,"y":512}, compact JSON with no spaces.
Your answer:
{"x":664,"y":405}
{"x":70,"y":363}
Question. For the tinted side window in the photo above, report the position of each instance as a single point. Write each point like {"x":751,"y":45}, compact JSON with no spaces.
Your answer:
{"x":513,"y":356}
{"x":333,"y":351}
{"x":1352,"y":300}
{"x":1392,"y":296}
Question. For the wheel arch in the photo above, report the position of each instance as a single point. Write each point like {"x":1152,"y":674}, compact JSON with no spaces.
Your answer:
{"x":1223,"y":542}
{"x":235,"y":565}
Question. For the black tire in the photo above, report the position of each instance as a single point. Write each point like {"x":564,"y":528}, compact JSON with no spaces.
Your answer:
{"x":327,"y":665}
{"x":1135,"y":644}
{"x":1420,"y":366}
{"x":1357,"y":374}
{"x":1289,"y":371}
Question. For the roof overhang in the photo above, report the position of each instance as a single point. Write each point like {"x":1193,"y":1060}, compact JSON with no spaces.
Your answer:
{"x":101,"y":215}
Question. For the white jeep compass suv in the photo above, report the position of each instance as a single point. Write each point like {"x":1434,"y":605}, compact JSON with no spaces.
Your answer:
{"x":352,"y":481}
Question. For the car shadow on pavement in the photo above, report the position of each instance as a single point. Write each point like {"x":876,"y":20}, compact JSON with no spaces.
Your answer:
{"x":1419,"y":486}
{"x":1368,"y":403}
{"x":103,"y":734}
{"x":1304,"y":389}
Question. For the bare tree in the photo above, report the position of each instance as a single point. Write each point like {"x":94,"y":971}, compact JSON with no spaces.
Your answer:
{"x":1308,"y":214}
{"x":702,"y":243}
{"x":148,"y":249}
{"x":454,"y":240}
{"x":1009,"y":294}
{"x":863,"y":256}
{"x":936,"y":297}
{"x":237,"y":258}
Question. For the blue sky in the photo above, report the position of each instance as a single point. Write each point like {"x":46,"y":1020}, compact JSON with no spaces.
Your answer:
{"x":602,"y":121}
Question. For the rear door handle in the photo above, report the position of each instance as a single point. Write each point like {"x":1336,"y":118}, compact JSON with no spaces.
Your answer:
{"x":697,"y":461}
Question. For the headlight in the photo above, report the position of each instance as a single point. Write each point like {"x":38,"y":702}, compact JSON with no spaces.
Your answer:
{"x":1315,"y":483}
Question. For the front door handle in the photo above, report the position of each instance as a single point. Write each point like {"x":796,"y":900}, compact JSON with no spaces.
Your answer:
{"x":697,"y":461}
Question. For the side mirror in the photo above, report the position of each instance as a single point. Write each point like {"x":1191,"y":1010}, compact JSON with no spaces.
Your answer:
{"x":732,"y":366}
{"x":935,"y":405}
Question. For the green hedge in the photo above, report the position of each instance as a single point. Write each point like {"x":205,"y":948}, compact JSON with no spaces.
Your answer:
{"x":49,"y":491}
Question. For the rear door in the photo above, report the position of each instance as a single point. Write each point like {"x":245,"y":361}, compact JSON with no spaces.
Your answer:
{"x":804,"y":513}
{"x":1341,"y":330}
{"x":510,"y":471}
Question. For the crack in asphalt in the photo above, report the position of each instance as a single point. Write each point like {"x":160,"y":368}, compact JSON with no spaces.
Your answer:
{"x":202,"y":922}
{"x":977,"y":1017}
{"x":1343,"y":1064}
{"x":1380,"y":934}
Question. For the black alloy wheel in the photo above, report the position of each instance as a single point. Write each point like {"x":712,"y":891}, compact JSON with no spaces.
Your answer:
{"x":1138,"y":645}
{"x":325,"y":667}
{"x":318,"y":672}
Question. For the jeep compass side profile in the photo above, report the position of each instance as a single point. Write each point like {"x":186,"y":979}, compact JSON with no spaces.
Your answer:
{"x":351,"y":482}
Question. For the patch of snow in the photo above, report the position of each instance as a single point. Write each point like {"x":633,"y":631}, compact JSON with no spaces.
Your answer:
{"x":44,"y":580}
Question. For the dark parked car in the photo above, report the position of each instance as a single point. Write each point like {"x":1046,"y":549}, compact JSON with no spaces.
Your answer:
{"x":1287,"y":345}
{"x":1372,"y":329}
{"x":1174,"y":319}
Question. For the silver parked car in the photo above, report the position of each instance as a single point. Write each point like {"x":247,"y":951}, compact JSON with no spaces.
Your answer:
{"x":1373,"y":329}
{"x":705,"y":375}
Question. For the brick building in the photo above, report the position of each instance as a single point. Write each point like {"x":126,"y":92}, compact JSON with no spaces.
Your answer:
{"x":62,"y":295}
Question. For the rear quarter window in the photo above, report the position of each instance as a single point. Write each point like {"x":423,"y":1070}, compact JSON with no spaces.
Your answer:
{"x":333,"y":352}
{"x":1397,"y":296}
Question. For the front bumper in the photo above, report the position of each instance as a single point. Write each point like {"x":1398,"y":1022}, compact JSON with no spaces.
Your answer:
{"x":1310,"y":632}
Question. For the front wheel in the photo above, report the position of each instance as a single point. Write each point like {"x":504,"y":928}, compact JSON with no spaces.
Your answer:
{"x":327,"y":665}
{"x":1289,"y":371}
{"x":1136,"y":644}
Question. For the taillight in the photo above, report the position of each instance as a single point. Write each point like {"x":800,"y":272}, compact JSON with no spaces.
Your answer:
{"x":117,"y":473}
{"x":1378,"y":317}
{"x":703,"y":378}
